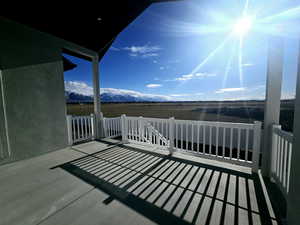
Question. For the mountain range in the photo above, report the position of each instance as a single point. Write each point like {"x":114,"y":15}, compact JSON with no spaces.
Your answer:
{"x":73,"y":97}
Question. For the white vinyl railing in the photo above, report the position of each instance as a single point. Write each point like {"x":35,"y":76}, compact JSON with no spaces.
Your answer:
{"x":235,"y":142}
{"x":238,"y":143}
{"x":282,"y":143}
{"x":147,"y":130}
{"x":112,"y":127}
{"x":80,"y":128}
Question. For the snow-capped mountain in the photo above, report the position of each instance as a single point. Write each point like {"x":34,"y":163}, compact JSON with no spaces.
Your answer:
{"x":73,"y":97}
{"x":81,"y":92}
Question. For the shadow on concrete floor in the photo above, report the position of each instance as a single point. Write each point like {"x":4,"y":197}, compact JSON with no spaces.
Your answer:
{"x":169,"y":190}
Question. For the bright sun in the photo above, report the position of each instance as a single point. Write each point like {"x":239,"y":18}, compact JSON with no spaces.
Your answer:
{"x":243,"y":25}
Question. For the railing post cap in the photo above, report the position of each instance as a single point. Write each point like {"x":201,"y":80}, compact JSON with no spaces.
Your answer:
{"x":258,"y":123}
{"x":276,"y":125}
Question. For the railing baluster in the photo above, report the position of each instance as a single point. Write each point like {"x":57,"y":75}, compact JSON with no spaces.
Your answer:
{"x":198,"y":136}
{"x":224,"y":141}
{"x":231,"y":134}
{"x":186,"y":136}
{"x":285,"y":162}
{"x":217,"y":141}
{"x":210,"y":138}
{"x":181,"y":130}
{"x":82,"y":131}
{"x":78,"y":131}
{"x":247,"y":145}
{"x":289,"y":167}
{"x":204,"y":137}
{"x":239,"y":144}
{"x":278,"y":156}
{"x":192,"y":141}
{"x":280,"y":159}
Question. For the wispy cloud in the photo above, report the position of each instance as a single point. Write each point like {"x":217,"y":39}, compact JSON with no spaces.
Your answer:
{"x":226,"y":90}
{"x":153,"y":85}
{"x":114,"y":48}
{"x":185,"y":95}
{"x":247,"y":64}
{"x":194,"y":76}
{"x":144,"y":51}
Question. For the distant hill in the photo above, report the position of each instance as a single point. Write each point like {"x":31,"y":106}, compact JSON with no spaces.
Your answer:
{"x":73,"y":97}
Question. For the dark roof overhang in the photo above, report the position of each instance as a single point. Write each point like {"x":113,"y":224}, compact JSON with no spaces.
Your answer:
{"x":90,"y":25}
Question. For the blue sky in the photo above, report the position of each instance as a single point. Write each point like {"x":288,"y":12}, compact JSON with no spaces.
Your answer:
{"x":175,"y":50}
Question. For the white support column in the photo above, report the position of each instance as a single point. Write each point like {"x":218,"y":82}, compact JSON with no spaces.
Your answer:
{"x":96,"y":88}
{"x":293,"y":204}
{"x":273,"y":95}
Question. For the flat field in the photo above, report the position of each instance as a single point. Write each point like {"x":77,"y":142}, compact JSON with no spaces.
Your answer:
{"x":229,"y":111}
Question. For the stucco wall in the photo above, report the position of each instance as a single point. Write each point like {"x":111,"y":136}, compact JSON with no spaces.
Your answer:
{"x":33,"y":87}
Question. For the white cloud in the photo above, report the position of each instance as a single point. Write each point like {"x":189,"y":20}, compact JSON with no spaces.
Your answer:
{"x":78,"y":87}
{"x":185,"y":95}
{"x":114,"y":48}
{"x":194,"y":76}
{"x":144,"y":51}
{"x":153,"y":85}
{"x":154,"y":61}
{"x":147,"y":55}
{"x":225,"y":90}
{"x":248,"y":64}
{"x":179,"y":95}
{"x":161,"y":68}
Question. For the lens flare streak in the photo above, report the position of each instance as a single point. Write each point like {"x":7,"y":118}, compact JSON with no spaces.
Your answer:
{"x":211,"y":54}
{"x":293,"y":13}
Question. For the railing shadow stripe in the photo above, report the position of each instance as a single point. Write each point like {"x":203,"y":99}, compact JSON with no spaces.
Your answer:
{"x":193,"y":194}
{"x":185,"y":190}
{"x":97,"y":158}
{"x":125,"y":166}
{"x":202,"y":198}
{"x":213,"y":199}
{"x":176,"y":186}
{"x":170,"y":172}
{"x":157,"y":170}
{"x":108,"y":163}
{"x":143,"y":182}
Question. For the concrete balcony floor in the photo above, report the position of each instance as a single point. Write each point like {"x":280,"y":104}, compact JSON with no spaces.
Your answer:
{"x":108,"y":183}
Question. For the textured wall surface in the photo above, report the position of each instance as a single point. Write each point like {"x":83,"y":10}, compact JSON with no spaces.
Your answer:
{"x":33,"y":92}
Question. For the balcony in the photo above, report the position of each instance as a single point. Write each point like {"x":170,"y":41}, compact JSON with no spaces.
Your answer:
{"x":146,"y":178}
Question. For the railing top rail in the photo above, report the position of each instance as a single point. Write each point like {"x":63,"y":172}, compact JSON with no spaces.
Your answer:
{"x":286,"y":135}
{"x":201,"y":122}
{"x":112,"y":118}
{"x":75,"y":117}
{"x":148,"y":118}
{"x":219,"y":124}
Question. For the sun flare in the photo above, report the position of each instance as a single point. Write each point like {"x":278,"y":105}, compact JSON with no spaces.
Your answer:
{"x":243,"y":26}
